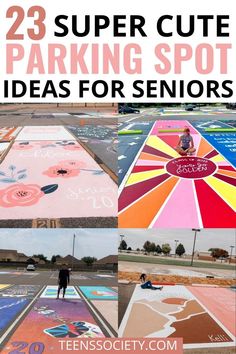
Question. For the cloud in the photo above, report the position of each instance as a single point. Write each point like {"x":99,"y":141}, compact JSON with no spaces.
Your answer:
{"x":88,"y":242}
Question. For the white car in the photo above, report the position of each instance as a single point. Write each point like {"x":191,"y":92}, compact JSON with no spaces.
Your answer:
{"x":30,"y":267}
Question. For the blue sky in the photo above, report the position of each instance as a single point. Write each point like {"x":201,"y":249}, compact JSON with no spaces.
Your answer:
{"x":89,"y":242}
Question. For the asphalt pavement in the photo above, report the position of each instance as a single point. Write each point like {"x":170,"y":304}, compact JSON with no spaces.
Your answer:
{"x":40,"y":118}
{"x":50,"y":277}
{"x":153,"y":115}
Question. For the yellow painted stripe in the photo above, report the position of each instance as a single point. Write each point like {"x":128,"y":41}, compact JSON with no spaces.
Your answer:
{"x":3,"y":286}
{"x":217,"y":158}
{"x":225,"y":190}
{"x":143,"y":176}
{"x":159,"y":144}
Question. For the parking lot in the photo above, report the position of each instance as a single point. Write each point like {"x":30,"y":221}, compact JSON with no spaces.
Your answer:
{"x":30,"y":312}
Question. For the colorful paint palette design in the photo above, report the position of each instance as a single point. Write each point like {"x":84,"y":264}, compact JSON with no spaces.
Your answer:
{"x":99,"y":293}
{"x":178,"y":192}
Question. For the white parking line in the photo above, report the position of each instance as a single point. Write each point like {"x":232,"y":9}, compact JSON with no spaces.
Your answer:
{"x":95,"y":313}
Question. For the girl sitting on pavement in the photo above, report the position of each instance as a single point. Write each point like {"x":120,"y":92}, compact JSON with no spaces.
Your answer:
{"x":147,"y":284}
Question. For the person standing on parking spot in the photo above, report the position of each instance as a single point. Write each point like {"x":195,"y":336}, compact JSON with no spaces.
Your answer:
{"x":63,"y":280}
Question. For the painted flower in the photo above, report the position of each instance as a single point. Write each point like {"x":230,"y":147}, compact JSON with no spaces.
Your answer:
{"x":73,"y":164}
{"x":23,"y":146}
{"x":20,"y":195}
{"x":61,"y":171}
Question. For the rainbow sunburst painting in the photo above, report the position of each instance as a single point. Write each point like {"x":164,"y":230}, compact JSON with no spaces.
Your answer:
{"x":167,"y":190}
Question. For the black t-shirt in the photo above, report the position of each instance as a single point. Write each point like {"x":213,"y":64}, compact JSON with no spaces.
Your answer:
{"x":64,"y":276}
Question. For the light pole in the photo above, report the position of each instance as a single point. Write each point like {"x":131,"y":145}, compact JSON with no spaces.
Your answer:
{"x":194,"y":242}
{"x":176,"y":242}
{"x":73,"y":251}
{"x":231,"y":253}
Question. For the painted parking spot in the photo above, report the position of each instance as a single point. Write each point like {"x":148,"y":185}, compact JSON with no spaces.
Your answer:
{"x":223,"y":142}
{"x":8,"y":133}
{"x":50,"y":321}
{"x":72,"y":276}
{"x":231,"y":122}
{"x":161,"y":177}
{"x":10,"y":308}
{"x":130,"y":145}
{"x":44,"y":133}
{"x":3,"y":286}
{"x":109,"y":310}
{"x":98,"y":132}
{"x":101,"y":140}
{"x":79,"y":277}
{"x":28,"y":291}
{"x":202,"y":125}
{"x":3,"y":148}
{"x":223,"y":306}
{"x":98,"y":293}
{"x":35,"y":175}
{"x":174,"y":312}
{"x":18,"y":273}
{"x":181,"y":272}
{"x":51,"y":292}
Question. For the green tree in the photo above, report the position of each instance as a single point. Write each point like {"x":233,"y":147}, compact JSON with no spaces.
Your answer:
{"x":129,"y":248}
{"x":54,"y":258}
{"x":180,"y":250}
{"x":152,"y":247}
{"x":219,"y":253}
{"x":30,"y":261}
{"x":166,"y":248}
{"x":123,"y":245}
{"x":158,"y":249}
{"x":89,"y":260}
{"x":146,"y":246}
{"x":41,"y":257}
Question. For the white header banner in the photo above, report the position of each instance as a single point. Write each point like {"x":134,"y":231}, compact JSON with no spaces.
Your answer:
{"x":124,"y":51}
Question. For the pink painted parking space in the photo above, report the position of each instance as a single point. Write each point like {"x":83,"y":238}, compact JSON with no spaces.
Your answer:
{"x":53,"y":179}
